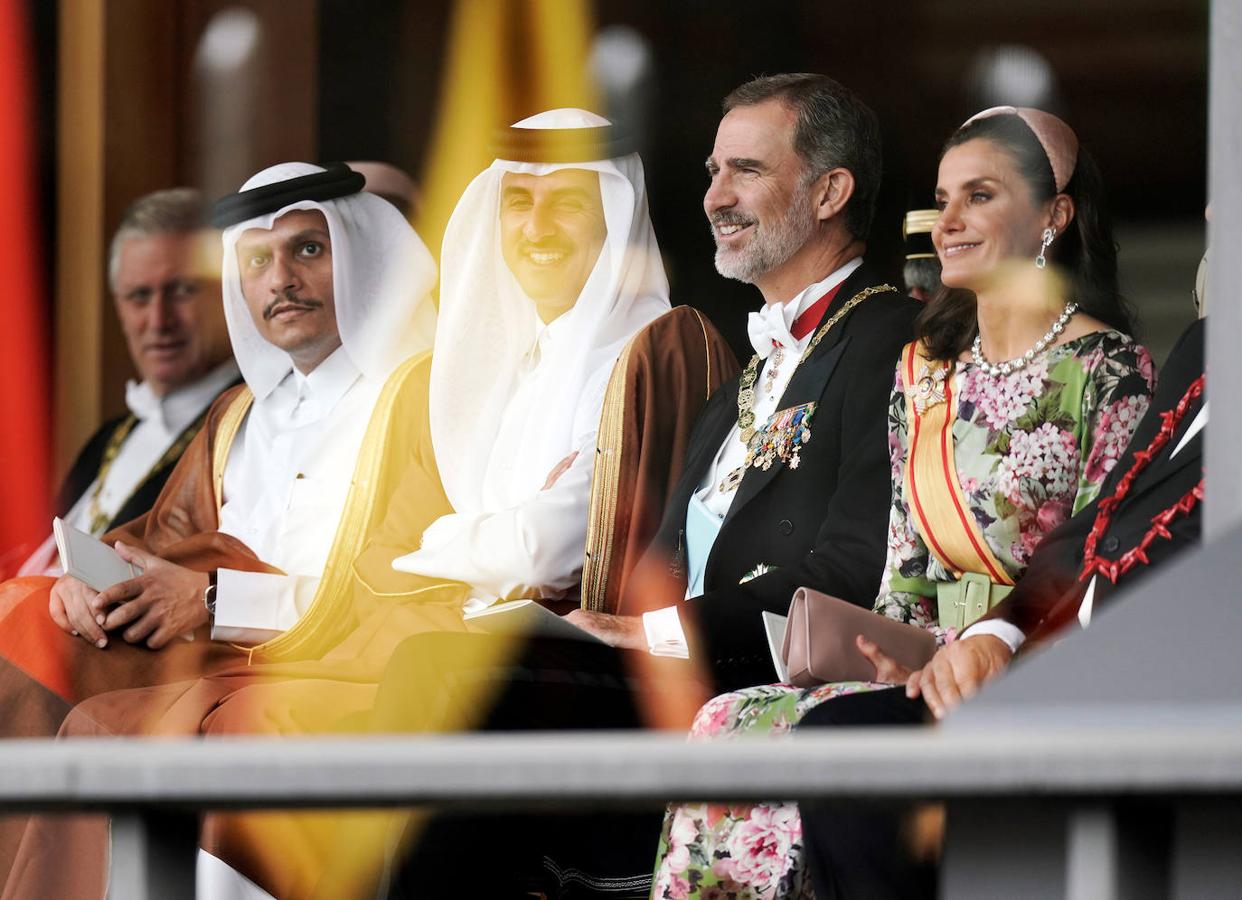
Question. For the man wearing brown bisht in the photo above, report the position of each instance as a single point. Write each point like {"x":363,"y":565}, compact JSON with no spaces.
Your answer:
{"x":164,"y":277}
{"x":326,"y":297}
{"x":784,"y":483}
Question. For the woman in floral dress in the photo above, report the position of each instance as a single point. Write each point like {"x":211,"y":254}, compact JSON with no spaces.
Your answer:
{"x":1032,"y":439}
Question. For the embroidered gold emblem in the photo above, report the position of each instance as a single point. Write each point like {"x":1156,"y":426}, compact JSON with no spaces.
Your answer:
{"x":929,"y":388}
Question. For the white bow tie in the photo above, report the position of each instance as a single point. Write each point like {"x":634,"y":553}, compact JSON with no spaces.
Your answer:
{"x":768,"y":326}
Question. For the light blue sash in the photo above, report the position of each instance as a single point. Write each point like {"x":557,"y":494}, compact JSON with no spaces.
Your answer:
{"x":702,"y":526}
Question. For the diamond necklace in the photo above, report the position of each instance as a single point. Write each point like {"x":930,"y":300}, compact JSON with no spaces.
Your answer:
{"x":997,"y":369}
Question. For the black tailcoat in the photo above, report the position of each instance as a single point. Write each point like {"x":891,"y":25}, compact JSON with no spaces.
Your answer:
{"x":823,"y":524}
{"x":85,"y":469}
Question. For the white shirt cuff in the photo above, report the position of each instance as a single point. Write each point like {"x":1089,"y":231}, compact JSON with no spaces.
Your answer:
{"x":1008,"y":632}
{"x":252,"y":607}
{"x":665,"y":636}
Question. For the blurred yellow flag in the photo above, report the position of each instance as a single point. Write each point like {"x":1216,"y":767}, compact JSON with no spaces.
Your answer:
{"x":506,"y":60}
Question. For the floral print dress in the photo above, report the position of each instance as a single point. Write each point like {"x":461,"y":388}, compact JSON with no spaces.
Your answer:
{"x":1032,"y":448}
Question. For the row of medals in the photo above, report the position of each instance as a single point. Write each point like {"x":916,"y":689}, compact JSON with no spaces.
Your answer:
{"x":781,"y":438}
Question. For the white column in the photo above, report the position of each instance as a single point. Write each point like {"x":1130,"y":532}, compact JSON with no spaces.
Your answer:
{"x":1223,"y":505}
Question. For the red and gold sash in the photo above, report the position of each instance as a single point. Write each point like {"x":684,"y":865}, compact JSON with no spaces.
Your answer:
{"x":932,"y":488}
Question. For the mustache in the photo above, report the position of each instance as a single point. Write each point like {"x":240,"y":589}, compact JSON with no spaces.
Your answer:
{"x":289,"y":300}
{"x":729,"y":217}
{"x":551,"y":246}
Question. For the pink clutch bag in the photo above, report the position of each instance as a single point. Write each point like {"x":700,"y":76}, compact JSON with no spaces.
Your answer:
{"x":819,"y":643}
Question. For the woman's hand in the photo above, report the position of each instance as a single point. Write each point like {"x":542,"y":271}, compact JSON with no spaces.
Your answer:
{"x":887,"y":669}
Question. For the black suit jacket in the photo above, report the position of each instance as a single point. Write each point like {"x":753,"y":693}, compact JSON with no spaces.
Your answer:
{"x":1048,"y":595}
{"x":823,"y":524}
{"x":85,"y":469}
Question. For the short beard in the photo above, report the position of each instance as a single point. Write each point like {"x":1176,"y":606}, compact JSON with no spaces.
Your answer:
{"x":771,"y":245}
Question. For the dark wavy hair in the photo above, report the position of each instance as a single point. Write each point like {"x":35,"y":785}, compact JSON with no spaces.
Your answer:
{"x":1086,"y":249}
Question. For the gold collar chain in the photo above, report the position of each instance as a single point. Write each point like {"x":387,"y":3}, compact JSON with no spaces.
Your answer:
{"x":746,"y":392}
{"x":95,"y":514}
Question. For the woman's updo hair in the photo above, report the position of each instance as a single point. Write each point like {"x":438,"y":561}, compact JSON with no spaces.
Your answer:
{"x":1085,"y":249}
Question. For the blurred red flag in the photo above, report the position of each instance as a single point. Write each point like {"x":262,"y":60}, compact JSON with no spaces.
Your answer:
{"x":25,"y":370}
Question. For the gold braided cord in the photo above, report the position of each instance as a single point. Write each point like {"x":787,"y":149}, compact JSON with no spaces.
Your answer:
{"x":171,"y":454}
{"x":746,"y":392}
{"x":707,"y":355}
{"x":96,"y":516}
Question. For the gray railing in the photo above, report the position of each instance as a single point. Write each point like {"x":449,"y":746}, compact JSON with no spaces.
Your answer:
{"x":1033,"y":812}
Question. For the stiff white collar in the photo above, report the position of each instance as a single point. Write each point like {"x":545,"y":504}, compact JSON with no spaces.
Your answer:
{"x":322,"y":389}
{"x":772,"y":324}
{"x":177,"y":409}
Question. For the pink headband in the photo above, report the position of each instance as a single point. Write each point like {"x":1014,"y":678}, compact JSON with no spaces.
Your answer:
{"x":1058,"y":139}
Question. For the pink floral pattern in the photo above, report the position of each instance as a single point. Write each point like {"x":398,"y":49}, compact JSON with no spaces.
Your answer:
{"x":1000,"y":400}
{"x":1116,"y":423}
{"x":1032,"y":448}
{"x":1046,"y":457}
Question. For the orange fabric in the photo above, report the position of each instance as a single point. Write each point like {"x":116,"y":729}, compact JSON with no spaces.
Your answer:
{"x":181,"y":527}
{"x":931,"y":484}
{"x":28,"y":624}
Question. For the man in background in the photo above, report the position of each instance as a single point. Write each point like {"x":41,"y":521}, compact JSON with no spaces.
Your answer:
{"x":392,"y":184}
{"x":921,"y":271}
{"x":163,"y":272}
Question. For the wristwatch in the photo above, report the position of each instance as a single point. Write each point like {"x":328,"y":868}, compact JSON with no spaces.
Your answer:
{"x":209,"y":595}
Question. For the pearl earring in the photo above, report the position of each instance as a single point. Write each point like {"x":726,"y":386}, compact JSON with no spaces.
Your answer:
{"x":1046,"y":242}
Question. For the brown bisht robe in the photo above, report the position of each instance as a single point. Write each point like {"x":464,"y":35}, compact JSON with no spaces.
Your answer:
{"x":351,"y":626}
{"x":182,"y":528}
{"x":662,"y":378}
{"x":44,"y":671}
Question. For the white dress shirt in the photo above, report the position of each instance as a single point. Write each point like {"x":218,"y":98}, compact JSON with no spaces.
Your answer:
{"x":161,"y":420}
{"x":285,"y":484}
{"x":665,"y":635}
{"x":524,"y":545}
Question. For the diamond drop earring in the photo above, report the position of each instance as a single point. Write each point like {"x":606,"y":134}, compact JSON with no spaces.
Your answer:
{"x":1046,"y":242}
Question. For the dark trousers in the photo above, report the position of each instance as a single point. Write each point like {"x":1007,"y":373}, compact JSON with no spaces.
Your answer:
{"x":856,"y":852}
{"x":456,"y":682}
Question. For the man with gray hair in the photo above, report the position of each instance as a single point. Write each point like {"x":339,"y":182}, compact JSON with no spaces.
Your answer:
{"x":785,"y":483}
{"x":164,"y":277}
{"x":786,"y":478}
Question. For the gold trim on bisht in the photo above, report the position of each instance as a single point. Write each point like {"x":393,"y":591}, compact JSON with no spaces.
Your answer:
{"x":602,"y":517}
{"x":919,"y":221}
{"x":230,"y":424}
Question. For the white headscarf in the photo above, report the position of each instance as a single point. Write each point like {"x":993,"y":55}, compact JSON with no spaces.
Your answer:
{"x":382,"y":275}
{"x":487,"y":324}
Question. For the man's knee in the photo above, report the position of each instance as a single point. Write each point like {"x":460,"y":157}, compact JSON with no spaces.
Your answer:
{"x":88,"y":719}
{"x":883,"y":707}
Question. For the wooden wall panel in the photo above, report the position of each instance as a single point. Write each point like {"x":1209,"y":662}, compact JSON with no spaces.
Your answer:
{"x":136,"y":115}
